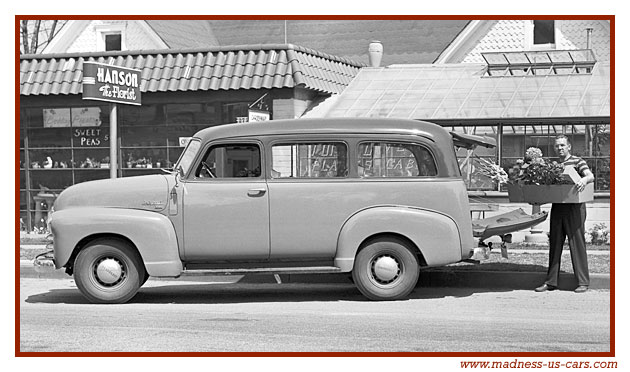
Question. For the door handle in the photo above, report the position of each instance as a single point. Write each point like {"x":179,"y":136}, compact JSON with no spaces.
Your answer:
{"x":256,"y":192}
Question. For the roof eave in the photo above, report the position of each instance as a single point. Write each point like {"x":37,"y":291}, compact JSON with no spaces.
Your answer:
{"x":227,"y":48}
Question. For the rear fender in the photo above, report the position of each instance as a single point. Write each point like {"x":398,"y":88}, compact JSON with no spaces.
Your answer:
{"x":150,"y":232}
{"x":436,"y":235}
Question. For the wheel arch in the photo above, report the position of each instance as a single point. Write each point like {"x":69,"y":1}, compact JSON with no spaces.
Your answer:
{"x":94,"y":238}
{"x":434,"y":235}
{"x":395,"y":236}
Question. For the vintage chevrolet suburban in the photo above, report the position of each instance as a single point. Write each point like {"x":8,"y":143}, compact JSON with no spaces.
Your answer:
{"x":377,"y":198}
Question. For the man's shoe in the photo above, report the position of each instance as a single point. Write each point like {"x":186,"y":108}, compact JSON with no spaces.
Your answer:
{"x":545,"y":287}
{"x":581,"y":289}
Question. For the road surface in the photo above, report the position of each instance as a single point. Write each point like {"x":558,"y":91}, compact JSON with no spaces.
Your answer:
{"x":177,"y":316}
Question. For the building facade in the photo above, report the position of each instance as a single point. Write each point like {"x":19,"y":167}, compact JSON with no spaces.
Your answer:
{"x":65,"y":139}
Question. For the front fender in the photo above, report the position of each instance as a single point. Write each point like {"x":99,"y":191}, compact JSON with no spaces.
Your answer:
{"x":436,"y":235}
{"x":152,"y":234}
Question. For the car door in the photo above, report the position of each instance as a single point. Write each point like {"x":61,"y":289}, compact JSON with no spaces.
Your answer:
{"x":226,"y":207}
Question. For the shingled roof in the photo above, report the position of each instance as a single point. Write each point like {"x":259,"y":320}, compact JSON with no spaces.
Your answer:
{"x":218,"y":68}
{"x":404,"y":41}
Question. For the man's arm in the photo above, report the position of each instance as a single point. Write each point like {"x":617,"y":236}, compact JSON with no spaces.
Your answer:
{"x":588,"y":178}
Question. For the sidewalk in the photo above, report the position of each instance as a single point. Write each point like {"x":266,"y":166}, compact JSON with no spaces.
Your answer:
{"x":448,"y":276}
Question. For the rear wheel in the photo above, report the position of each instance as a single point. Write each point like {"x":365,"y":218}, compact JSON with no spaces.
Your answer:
{"x":386,"y":269}
{"x":109,"y":271}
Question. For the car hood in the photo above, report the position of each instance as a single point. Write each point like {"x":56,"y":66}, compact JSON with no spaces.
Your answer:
{"x":143,"y":192}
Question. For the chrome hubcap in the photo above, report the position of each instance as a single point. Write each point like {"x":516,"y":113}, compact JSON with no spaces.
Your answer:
{"x":385,"y":269}
{"x":109,"y":271}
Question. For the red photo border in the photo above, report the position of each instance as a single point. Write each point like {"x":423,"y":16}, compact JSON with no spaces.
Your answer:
{"x":611,"y":353}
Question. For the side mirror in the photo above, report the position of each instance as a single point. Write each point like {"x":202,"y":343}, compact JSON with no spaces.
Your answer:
{"x":179,"y":173}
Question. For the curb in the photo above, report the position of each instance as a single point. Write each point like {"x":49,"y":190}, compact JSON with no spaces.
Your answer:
{"x":435,"y":277}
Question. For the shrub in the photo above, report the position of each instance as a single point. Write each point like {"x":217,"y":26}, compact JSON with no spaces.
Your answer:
{"x":600,"y":234}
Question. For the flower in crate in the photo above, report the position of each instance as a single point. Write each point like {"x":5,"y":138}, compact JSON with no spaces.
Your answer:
{"x":492,"y":171}
{"x":543,"y":173}
{"x":533,"y":155}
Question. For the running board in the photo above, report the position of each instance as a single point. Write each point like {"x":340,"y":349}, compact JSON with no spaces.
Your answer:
{"x":270,"y":270}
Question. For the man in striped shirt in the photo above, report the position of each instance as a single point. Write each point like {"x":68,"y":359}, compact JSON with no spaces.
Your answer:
{"x":567,"y":219}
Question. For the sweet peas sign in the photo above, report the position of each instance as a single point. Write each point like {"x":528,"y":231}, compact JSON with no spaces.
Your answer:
{"x":111,"y":83}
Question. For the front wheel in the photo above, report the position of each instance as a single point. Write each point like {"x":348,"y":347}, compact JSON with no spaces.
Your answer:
{"x":386,"y":270}
{"x":109,"y":271}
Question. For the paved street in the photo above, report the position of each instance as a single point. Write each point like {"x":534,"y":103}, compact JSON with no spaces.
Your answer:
{"x":194,"y":316}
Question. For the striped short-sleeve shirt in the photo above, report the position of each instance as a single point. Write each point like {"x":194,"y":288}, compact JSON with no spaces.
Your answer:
{"x":578,"y":163}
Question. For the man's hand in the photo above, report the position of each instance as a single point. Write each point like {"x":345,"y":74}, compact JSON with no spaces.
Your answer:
{"x":581,"y":184}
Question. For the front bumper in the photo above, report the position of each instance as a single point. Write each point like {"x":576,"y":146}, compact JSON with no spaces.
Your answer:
{"x":45,"y":262}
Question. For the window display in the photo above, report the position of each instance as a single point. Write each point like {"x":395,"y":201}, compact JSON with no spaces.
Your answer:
{"x":310,"y":160}
{"x":395,"y":160}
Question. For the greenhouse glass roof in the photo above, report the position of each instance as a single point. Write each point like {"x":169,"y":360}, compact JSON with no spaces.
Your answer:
{"x":465,"y":91}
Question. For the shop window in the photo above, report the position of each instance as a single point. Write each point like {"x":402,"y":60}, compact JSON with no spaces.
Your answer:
{"x":394,"y":160}
{"x":91,"y":158}
{"x":145,"y":115}
{"x":145,"y":158}
{"x":191,"y":113}
{"x":230,"y":161}
{"x":22,"y":159}
{"x":310,"y":160}
{"x":56,"y":179}
{"x":49,"y":137}
{"x":235,"y":112}
{"x":53,"y":158}
{"x":23,"y":211}
{"x":143,"y":136}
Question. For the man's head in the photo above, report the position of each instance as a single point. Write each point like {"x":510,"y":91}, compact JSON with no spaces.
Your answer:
{"x":563,"y":147}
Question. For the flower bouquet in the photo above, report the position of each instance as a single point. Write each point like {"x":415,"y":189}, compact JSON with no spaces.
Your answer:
{"x":536,"y":181}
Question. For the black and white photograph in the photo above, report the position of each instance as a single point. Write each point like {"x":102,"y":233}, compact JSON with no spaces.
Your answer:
{"x":425,"y":186}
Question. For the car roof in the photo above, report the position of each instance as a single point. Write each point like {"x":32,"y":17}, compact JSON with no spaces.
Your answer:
{"x":324,"y":126}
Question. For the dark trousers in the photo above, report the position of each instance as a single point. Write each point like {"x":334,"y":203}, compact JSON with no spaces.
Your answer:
{"x":567,"y":220}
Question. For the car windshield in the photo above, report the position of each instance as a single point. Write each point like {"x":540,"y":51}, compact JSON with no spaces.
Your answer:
{"x":185,"y":161}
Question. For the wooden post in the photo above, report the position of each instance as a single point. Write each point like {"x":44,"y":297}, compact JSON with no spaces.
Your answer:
{"x":113,"y":141}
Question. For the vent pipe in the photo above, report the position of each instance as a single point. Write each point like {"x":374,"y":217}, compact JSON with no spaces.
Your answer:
{"x":375,"y":53}
{"x":589,"y":32}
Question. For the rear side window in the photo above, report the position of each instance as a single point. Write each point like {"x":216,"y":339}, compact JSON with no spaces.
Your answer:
{"x":386,"y":159}
{"x":230,"y":161}
{"x":310,"y":160}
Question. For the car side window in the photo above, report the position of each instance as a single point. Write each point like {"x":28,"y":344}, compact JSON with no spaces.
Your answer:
{"x":230,"y":161}
{"x":310,"y":160}
{"x":383,"y":159}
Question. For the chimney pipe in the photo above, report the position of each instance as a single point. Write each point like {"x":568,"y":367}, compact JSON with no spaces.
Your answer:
{"x":375,"y":53}
{"x":589,"y":32}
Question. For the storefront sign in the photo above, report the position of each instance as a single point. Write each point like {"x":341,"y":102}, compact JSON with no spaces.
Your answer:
{"x":90,"y":137}
{"x":111,"y":83}
{"x":258,"y":115}
{"x":56,"y":118}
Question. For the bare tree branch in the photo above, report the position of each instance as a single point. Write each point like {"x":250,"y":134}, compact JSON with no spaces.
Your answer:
{"x":24,"y":30}
{"x":35,"y":36}
{"x":52,"y":31}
